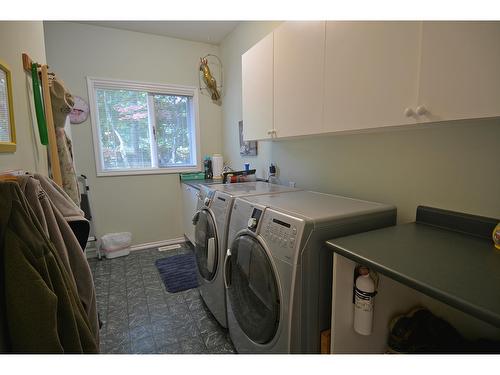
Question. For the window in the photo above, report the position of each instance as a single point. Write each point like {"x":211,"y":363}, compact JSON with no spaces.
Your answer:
{"x":141,"y":128}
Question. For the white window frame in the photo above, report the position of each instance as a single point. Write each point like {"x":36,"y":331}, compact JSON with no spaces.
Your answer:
{"x":94,"y":83}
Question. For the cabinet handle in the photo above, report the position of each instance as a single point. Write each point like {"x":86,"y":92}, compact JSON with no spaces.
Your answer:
{"x":409,"y":112}
{"x":421,"y":110}
{"x":271,"y":132}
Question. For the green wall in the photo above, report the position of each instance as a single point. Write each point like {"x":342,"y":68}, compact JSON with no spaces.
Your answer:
{"x":148,"y":206}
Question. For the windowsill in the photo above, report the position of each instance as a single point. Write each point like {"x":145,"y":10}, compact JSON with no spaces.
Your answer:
{"x":139,"y":172}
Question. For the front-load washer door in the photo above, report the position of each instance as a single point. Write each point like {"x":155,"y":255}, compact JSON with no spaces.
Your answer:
{"x":253,"y":290}
{"x":206,"y":245}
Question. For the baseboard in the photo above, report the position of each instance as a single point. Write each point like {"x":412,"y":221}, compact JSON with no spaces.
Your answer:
{"x":149,"y":245}
{"x":92,"y":253}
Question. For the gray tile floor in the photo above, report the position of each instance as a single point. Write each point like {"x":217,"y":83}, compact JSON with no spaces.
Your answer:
{"x":140,"y":316}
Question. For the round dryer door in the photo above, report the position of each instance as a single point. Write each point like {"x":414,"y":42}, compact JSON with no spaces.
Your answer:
{"x":206,"y":247}
{"x":253,"y":290}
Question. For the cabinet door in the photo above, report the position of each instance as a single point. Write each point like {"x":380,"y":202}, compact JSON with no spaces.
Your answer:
{"x":257,"y":90}
{"x":189,"y":202}
{"x":299,"y":51}
{"x":460,"y":72}
{"x":371,"y":74}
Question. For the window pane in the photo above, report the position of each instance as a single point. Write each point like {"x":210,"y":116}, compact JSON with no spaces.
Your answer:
{"x":124,"y":129}
{"x":173,"y":126}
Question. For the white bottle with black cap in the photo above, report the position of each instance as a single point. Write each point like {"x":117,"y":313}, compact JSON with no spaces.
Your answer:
{"x":364,"y":294}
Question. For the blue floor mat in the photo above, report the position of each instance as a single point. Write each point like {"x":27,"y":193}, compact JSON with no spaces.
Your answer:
{"x":178,"y":272}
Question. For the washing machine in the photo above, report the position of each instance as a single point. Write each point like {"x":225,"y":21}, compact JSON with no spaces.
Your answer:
{"x":278,"y":271}
{"x":211,"y":221}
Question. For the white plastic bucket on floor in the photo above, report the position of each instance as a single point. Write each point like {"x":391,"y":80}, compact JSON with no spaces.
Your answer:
{"x":115,"y":245}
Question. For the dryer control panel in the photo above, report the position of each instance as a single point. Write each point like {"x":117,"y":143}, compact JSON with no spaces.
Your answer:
{"x":282,"y":234}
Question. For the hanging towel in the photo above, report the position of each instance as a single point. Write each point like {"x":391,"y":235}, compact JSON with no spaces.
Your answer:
{"x":43,"y":313}
{"x":62,"y":103}
{"x":72,"y":256}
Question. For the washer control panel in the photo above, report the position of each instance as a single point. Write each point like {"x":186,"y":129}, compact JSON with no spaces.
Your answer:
{"x":220,"y":204}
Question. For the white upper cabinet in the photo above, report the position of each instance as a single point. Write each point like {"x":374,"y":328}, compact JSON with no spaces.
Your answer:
{"x":299,"y":56}
{"x":336,"y":76}
{"x":257,"y":90}
{"x":460,"y":71}
{"x":371,"y":74}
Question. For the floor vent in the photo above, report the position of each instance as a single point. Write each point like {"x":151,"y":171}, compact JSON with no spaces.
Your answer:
{"x":170,"y":247}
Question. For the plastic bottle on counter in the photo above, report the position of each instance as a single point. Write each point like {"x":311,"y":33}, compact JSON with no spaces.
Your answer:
{"x":207,"y":167}
{"x":217,"y":165}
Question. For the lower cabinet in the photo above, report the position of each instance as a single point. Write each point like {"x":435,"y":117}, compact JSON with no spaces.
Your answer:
{"x":189,"y":204}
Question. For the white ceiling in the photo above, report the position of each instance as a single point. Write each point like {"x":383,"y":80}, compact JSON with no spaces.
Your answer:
{"x":212,"y":32}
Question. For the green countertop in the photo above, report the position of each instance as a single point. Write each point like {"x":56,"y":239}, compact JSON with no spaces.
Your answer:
{"x":458,"y":269}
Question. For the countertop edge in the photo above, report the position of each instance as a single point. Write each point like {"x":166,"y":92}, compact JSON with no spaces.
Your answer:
{"x":438,"y":294}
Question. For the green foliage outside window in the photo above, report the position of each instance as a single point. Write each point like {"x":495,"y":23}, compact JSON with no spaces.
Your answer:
{"x":127,"y":131}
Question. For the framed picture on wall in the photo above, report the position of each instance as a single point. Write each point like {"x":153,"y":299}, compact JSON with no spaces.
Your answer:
{"x":7,"y":128}
{"x":248,"y":148}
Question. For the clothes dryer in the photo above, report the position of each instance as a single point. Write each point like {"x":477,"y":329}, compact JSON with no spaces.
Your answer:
{"x":278,"y":271}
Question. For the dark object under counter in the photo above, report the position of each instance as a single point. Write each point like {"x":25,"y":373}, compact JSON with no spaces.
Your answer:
{"x":437,"y":258}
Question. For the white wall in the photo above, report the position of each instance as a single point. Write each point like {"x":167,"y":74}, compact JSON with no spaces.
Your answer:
{"x":148,"y":206}
{"x":453,"y":166}
{"x":16,"y":38}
